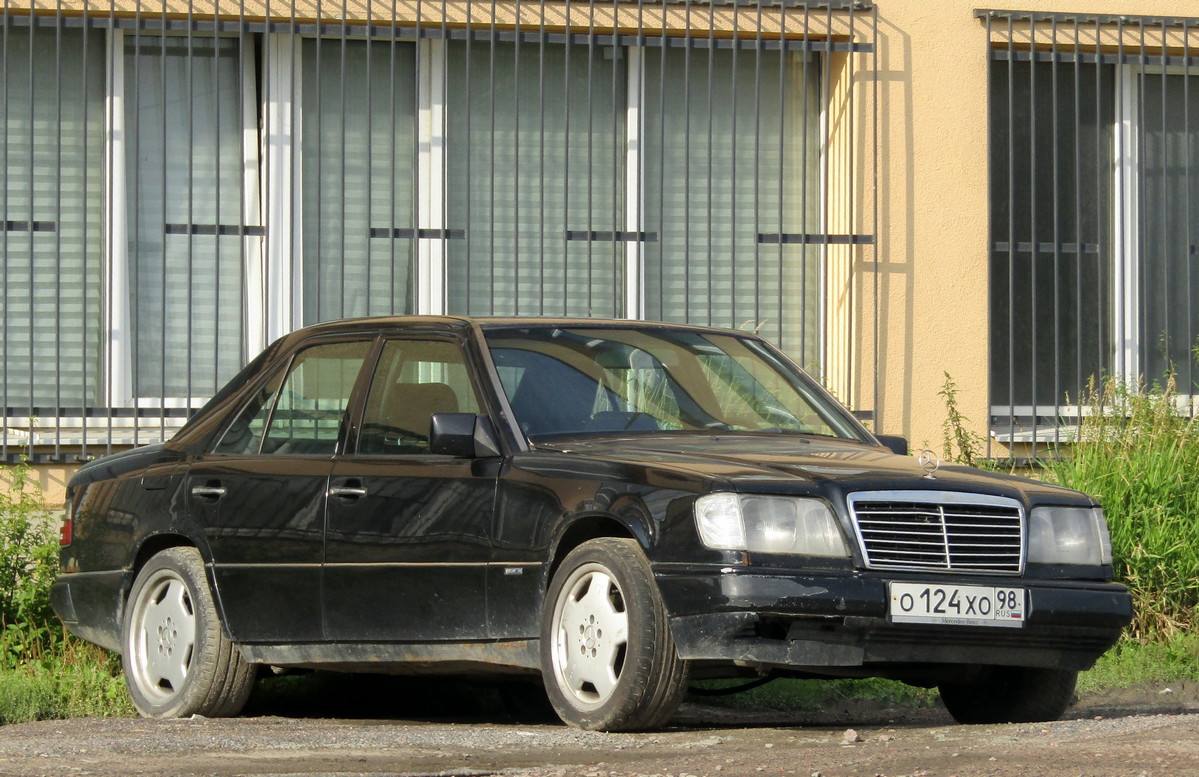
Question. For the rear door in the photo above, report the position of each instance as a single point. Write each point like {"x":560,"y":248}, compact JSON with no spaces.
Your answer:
{"x":409,"y":532}
{"x":260,"y":494}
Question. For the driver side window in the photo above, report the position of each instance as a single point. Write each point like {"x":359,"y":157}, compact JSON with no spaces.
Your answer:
{"x":414,"y":380}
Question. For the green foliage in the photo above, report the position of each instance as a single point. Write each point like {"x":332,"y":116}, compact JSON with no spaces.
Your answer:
{"x":28,"y":552}
{"x":44,"y":673}
{"x":961,"y":444}
{"x":1139,"y":455}
{"x":75,"y":679}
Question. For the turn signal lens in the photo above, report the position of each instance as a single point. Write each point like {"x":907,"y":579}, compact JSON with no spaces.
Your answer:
{"x":718,"y":518}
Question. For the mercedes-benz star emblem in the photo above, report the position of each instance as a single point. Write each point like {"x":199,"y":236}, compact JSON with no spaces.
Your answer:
{"x":930,"y":462}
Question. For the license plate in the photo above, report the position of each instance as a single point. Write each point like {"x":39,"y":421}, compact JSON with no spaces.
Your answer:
{"x":957,"y":605}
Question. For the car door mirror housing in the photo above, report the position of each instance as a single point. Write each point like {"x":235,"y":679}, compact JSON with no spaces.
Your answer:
{"x":898,"y":445}
{"x":464,"y":435}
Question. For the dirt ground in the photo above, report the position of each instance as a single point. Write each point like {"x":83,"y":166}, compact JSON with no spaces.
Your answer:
{"x":1148,"y":731}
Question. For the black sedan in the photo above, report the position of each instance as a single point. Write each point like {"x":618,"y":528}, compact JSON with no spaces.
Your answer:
{"x":615,"y":506}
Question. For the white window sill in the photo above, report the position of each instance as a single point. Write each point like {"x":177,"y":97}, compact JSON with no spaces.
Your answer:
{"x":101,"y":432}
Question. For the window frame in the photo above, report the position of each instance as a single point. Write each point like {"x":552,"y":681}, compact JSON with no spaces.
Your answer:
{"x":1122,"y":231}
{"x":273,"y":272}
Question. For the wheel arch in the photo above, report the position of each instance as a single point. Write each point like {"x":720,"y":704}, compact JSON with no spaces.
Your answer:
{"x":591,"y":526}
{"x":157,"y":543}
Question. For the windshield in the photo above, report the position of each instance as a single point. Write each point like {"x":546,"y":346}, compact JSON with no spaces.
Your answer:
{"x":572,"y":381}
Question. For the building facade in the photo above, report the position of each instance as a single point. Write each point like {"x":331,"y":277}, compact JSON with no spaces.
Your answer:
{"x":890,"y":191}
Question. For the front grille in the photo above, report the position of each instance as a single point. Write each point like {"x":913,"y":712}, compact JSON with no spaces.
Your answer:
{"x":939,"y":531}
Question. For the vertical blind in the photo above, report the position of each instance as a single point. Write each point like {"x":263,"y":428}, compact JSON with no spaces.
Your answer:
{"x":51,"y":233}
{"x":185,"y":175}
{"x":537,"y":137}
{"x":732,"y":153}
{"x":359,"y":148}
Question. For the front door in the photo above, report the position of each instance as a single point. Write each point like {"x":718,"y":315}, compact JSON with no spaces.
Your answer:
{"x":409,"y":532}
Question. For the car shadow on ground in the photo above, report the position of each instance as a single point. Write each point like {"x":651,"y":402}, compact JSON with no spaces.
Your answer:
{"x":448,"y":699}
{"x":454,"y":700}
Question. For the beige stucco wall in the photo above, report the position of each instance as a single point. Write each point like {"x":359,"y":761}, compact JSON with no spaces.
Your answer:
{"x":933,"y":211}
{"x":50,"y":478}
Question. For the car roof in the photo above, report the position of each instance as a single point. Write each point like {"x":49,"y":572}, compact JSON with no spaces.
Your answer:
{"x":380,"y":323}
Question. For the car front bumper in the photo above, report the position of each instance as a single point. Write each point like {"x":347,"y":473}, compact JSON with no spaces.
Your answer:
{"x":773,"y":619}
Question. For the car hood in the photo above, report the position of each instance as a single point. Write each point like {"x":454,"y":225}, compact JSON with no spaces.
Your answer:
{"x":794,"y":464}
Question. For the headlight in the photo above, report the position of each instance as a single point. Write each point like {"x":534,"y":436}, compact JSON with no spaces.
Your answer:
{"x":769,"y":524}
{"x":1068,"y":535}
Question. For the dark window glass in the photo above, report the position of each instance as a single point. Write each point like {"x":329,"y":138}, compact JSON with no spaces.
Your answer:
{"x":244,"y":435}
{"x":1169,"y":224}
{"x":414,"y":380}
{"x":1052,"y":173}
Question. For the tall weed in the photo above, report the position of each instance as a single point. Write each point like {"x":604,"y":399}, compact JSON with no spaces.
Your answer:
{"x":44,"y":673}
{"x":961,"y":445}
{"x":1139,"y":455}
{"x":28,"y":551}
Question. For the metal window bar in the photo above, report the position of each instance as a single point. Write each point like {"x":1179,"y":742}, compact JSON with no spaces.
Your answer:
{"x":1093,"y":272}
{"x":183,"y":240}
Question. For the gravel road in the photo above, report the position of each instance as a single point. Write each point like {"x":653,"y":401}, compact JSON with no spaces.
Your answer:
{"x":1152,"y":731}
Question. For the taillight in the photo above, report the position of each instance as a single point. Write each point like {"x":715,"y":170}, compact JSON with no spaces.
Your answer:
{"x":67,"y":530}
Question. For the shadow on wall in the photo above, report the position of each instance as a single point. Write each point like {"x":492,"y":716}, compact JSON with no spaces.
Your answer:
{"x":895,"y":249}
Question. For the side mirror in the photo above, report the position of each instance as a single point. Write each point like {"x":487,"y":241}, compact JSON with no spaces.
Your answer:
{"x":464,"y":435}
{"x":897,"y":445}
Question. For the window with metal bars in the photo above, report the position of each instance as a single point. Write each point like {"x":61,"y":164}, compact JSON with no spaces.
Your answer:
{"x":179,"y":192}
{"x":1094,"y":212}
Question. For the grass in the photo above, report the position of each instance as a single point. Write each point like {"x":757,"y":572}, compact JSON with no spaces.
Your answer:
{"x":1140,"y":457}
{"x":76,"y":679}
{"x":1132,"y":663}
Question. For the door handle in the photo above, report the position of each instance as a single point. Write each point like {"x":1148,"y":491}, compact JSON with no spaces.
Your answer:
{"x":208,"y":492}
{"x":347,"y":492}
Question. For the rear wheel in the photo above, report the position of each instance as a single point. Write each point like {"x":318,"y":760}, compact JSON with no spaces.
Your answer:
{"x":1010,"y":694}
{"x":608,"y":659}
{"x":177,"y":660}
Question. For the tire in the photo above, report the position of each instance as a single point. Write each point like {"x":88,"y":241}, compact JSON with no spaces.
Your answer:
{"x":1010,"y":694}
{"x":176,"y":657}
{"x":607,"y":656}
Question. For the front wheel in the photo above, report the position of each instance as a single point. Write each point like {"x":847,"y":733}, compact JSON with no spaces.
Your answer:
{"x":177,"y":660}
{"x":1010,"y":694}
{"x":607,"y":656}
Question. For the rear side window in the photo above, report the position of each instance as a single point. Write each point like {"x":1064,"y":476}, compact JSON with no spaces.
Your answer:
{"x":244,"y":435}
{"x":302,"y":414}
